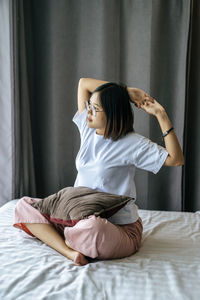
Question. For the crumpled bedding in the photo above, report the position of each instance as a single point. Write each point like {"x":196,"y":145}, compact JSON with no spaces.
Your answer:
{"x":167,"y":265}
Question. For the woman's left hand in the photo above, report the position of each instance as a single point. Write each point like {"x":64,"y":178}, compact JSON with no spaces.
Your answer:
{"x":153,"y":108}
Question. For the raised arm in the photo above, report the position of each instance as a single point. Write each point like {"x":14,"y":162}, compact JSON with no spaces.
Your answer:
{"x":85,"y":87}
{"x":175,"y":157}
{"x":142,"y":100}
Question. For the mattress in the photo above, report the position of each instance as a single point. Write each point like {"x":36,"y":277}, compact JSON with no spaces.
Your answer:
{"x":167,"y":265}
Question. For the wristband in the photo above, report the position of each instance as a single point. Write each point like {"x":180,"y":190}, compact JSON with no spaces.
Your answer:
{"x":167,"y":132}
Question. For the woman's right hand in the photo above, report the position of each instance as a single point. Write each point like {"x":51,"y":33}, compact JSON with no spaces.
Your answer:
{"x":139,"y":97}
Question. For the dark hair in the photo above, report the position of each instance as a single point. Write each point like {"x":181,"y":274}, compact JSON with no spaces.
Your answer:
{"x":116,"y":103}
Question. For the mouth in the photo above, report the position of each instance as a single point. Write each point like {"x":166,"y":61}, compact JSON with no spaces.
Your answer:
{"x":89,"y":120}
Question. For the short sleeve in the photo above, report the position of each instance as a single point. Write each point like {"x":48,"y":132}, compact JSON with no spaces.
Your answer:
{"x":81,"y":121}
{"x":150,"y":156}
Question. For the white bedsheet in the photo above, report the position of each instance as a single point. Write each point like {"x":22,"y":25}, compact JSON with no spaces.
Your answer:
{"x":167,"y":265}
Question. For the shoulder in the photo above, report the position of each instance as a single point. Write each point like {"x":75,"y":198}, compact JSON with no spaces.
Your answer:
{"x":78,"y":117}
{"x":81,"y":121}
{"x":129,"y":144}
{"x":137,"y":143}
{"x":135,"y":138}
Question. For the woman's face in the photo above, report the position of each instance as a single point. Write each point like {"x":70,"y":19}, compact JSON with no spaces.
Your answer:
{"x":98,"y":121}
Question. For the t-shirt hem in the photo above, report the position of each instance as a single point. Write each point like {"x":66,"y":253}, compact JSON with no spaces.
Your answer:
{"x":127,"y":223}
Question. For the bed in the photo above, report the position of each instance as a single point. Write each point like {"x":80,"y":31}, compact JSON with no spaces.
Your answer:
{"x":167,"y":265}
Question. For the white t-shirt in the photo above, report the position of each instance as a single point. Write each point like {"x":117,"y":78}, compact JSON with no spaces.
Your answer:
{"x":109,"y":166}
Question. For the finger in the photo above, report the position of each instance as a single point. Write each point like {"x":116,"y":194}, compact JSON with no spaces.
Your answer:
{"x":150,"y":99}
{"x":137,"y":104}
{"x":149,"y":96}
{"x":145,"y":101}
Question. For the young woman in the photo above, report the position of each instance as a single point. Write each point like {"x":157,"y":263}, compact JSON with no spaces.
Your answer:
{"x":109,"y":153}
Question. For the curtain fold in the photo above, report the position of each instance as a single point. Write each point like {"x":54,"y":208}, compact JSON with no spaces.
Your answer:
{"x":152,"y":45}
{"x":191,"y":174}
{"x":5,"y":104}
{"x":23,"y":161}
{"x":169,"y":41}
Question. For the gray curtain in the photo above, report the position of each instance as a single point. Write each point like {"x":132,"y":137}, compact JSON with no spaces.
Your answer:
{"x":152,"y":45}
{"x":5,"y":106}
{"x":23,"y":159}
{"x":191,"y":174}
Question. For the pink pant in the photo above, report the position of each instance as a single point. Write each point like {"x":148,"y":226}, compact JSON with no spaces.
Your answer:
{"x":94,"y":237}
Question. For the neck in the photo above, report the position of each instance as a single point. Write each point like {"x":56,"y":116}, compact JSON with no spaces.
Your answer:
{"x":100,"y":131}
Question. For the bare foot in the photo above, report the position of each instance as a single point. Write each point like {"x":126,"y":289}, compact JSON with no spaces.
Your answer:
{"x":76,"y":256}
{"x":80,"y":259}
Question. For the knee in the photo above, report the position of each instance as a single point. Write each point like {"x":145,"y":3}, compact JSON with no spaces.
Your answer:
{"x":86,"y":235}
{"x":98,"y":224}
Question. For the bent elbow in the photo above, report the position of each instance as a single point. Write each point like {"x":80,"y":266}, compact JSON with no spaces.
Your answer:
{"x":179,"y":163}
{"x":81,"y":80}
{"x":174,"y":162}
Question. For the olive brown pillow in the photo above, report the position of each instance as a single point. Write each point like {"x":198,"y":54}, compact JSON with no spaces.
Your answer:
{"x":72,"y":204}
